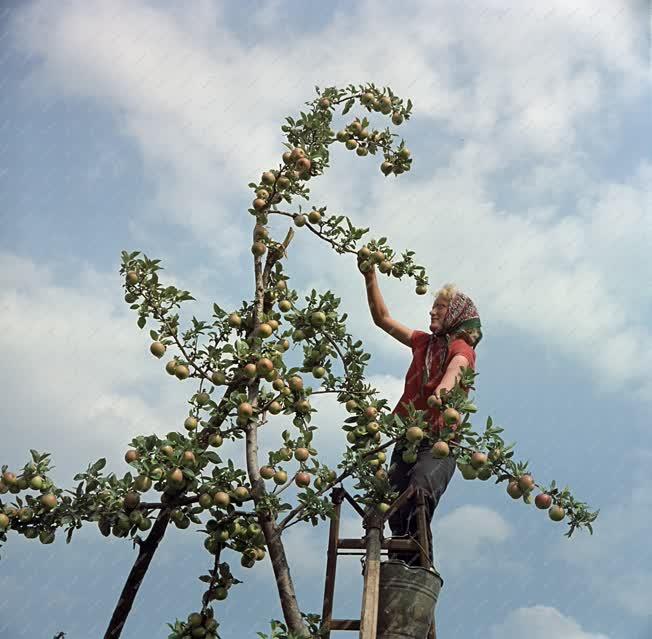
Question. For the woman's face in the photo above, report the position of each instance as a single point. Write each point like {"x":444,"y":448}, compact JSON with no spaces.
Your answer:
{"x":437,"y":314}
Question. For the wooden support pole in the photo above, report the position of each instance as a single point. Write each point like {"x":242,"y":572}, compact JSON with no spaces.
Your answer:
{"x":373,"y":523}
{"x":337,"y":496}
{"x":424,"y":536}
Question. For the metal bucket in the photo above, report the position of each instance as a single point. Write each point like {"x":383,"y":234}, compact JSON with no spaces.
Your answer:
{"x":408,"y":595}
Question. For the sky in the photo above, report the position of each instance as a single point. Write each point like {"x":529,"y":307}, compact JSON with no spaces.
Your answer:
{"x":138,"y":125}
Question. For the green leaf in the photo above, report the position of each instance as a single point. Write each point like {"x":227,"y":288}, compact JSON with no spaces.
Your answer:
{"x":141,"y":322}
{"x":347,"y":106}
{"x":153,"y":335}
{"x":98,"y":465}
{"x":35,"y":455}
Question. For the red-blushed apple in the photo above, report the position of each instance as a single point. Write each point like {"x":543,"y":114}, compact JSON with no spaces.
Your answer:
{"x":543,"y":501}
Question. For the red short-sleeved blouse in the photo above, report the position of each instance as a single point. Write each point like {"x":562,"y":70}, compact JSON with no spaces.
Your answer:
{"x":412,"y":391}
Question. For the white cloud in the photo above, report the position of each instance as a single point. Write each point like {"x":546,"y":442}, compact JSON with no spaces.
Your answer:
{"x":520,"y":85}
{"x":540,"y":622}
{"x":83,"y":382}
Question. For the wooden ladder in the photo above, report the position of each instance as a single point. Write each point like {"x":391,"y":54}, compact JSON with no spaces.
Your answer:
{"x":372,"y":544}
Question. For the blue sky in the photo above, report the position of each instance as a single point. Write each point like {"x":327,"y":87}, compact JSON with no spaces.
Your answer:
{"x":137,"y":126}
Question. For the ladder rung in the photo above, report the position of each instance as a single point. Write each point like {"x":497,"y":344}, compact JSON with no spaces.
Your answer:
{"x":344,"y":624}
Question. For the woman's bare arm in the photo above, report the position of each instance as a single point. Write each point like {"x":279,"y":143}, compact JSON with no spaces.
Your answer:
{"x":380,"y":312}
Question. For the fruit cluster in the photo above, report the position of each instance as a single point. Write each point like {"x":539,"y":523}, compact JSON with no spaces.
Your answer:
{"x":32,"y":516}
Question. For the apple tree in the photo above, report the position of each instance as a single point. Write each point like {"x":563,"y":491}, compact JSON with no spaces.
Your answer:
{"x":243,"y":371}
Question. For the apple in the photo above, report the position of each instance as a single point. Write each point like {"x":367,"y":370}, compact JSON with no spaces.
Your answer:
{"x":397,"y":118}
{"x":245,"y":409}
{"x":157,"y":349}
{"x":170,"y":367}
{"x":351,"y":144}
{"x":543,"y":501}
{"x":241,"y":493}
{"x":264,"y":365}
{"x":132,"y":278}
{"x":409,"y":457}
{"x":268,"y":178}
{"x":301,"y":454}
{"x":351,"y":437}
{"x":249,"y":370}
{"x":49,"y":500}
{"x":190,"y":423}
{"x":361,"y":431}
{"x":526,"y":483}
{"x":203,"y":399}
{"x":142,"y":483}
{"x":36,"y":482}
{"x":295,"y":383}
{"x":175,"y":478}
{"x":318,"y":372}
{"x":351,"y":406}
{"x":314,"y":217}
{"x":302,"y":479}
{"x":265,"y":330}
{"x":280,"y":477}
{"x":404,"y":153}
{"x":221,"y":499}
{"x":9,"y":478}
{"x":414,"y":434}
{"x":451,"y":417}
{"x":275,"y":408}
{"x":205,"y":500}
{"x":131,"y":456}
{"x":299,"y":220}
{"x":370,"y":412}
{"x":372,"y":427}
{"x":556,"y":513}
{"x":302,"y":406}
{"x":440,"y":450}
{"x":285,"y":453}
{"x":285,"y":305}
{"x":478,"y":460}
{"x":278,"y":384}
{"x":318,"y":318}
{"x":181,"y":372}
{"x":188,"y":457}
{"x":267,"y":472}
{"x":468,"y":472}
{"x":385,"y":266}
{"x":4,"y":521}
{"x":235,"y":321}
{"x":382,"y":507}
{"x":167,"y":450}
{"x":218,"y":378}
{"x":484,"y":473}
{"x":303,"y":165}
{"x":513,"y":490}
{"x":215,"y":440}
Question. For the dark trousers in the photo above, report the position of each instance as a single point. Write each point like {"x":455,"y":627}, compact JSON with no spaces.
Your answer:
{"x":433,"y":475}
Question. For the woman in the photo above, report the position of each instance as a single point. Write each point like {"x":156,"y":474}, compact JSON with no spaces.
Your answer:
{"x":437,"y":360}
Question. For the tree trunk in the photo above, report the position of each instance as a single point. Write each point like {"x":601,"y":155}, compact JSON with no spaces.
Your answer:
{"x":284,"y":584}
{"x":146,"y":551}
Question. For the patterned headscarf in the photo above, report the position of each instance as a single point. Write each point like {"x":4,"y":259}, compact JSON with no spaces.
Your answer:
{"x":462,"y":315}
